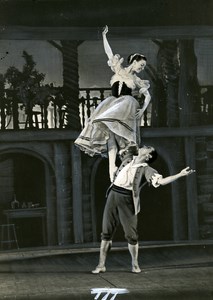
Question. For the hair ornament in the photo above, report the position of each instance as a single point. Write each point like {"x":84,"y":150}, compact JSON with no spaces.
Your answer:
{"x":131,"y":58}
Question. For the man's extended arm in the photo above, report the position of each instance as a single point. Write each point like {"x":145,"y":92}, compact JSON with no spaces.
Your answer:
{"x":185,"y":172}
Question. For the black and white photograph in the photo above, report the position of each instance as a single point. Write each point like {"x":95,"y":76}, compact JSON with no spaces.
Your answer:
{"x":106,"y":149}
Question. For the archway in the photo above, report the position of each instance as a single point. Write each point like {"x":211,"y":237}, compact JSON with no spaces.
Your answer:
{"x":24,"y":176}
{"x":155,"y":218}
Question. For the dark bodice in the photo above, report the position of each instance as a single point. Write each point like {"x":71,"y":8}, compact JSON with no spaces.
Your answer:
{"x":124,"y":90}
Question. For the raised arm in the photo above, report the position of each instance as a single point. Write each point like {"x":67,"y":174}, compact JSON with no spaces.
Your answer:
{"x":107,"y":47}
{"x":185,"y":172}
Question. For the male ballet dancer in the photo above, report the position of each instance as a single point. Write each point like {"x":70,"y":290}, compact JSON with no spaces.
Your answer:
{"x":123,"y":202}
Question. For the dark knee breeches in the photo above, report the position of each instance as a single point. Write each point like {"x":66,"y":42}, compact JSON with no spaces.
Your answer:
{"x":119,"y":208}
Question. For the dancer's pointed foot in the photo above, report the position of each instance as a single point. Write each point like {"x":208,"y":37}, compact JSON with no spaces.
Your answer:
{"x":136,"y":269}
{"x":99,"y":270}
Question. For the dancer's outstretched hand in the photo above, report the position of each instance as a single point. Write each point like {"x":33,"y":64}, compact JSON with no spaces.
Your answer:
{"x":105,"y":30}
{"x":187,"y":171}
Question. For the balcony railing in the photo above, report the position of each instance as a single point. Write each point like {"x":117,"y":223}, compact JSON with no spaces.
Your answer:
{"x":91,"y":97}
{"x":15,"y":115}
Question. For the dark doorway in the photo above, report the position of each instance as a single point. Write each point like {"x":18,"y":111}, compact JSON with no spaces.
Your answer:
{"x":26,"y":175}
{"x":29,"y":179}
{"x":155,"y":218}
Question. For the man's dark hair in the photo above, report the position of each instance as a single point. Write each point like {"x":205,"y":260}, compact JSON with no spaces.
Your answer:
{"x":154,"y":155}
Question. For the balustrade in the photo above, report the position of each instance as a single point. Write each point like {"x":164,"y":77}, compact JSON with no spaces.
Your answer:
{"x":91,"y":97}
{"x":52,"y":114}
{"x":16,"y":115}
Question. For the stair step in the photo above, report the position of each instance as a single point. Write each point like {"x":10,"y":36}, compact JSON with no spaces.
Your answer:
{"x":205,"y":178}
{"x":209,"y":146}
{"x":208,"y":220}
{"x":206,"y":231}
{"x":206,"y":198}
{"x":208,"y":208}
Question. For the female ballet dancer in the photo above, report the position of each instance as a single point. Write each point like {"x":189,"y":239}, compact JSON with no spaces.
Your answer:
{"x":114,"y":125}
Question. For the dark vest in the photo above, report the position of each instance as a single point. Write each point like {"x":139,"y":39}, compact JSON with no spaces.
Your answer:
{"x":124,"y":90}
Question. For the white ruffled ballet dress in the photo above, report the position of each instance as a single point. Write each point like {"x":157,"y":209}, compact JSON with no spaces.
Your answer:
{"x":115,"y":114}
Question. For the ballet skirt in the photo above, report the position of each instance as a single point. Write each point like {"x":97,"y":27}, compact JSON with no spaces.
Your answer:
{"x":114,"y":115}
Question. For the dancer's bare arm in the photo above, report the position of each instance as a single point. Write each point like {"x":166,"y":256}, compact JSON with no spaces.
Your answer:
{"x":107,"y":47}
{"x":185,"y":172}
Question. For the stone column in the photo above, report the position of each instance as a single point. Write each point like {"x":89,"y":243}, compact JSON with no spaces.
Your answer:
{"x":191,"y":190}
{"x":189,"y":91}
{"x":77,"y":194}
{"x":168,"y":69}
{"x":51,"y":207}
{"x":71,"y":84}
{"x":63,"y":193}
